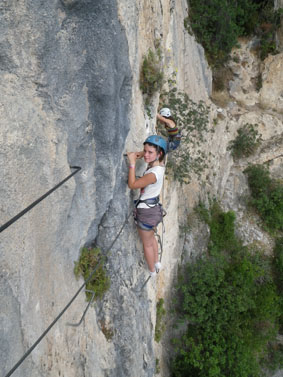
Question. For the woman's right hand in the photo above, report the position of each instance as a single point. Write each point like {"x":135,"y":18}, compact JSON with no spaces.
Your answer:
{"x":132,"y":157}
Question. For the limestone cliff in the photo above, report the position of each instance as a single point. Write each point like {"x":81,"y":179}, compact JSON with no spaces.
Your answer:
{"x":69,"y":78}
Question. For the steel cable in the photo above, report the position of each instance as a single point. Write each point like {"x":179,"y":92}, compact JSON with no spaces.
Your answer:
{"x":22,"y":213}
{"x":69,"y":303}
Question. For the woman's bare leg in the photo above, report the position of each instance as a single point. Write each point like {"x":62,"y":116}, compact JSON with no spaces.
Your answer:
{"x":150,"y":247}
{"x":155,"y":250}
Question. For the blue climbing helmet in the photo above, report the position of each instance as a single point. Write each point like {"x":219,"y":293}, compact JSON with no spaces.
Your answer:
{"x":157,"y":140}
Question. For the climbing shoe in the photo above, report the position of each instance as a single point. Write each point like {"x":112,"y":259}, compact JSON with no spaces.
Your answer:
{"x":157,"y":266}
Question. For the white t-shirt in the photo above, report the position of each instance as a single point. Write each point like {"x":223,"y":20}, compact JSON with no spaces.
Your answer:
{"x":152,"y":190}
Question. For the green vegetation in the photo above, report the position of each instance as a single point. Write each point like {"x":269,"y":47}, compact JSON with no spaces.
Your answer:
{"x":160,"y":325}
{"x":273,"y":359}
{"x":90,"y":259}
{"x":278,"y":273}
{"x":229,"y":303}
{"x":246,"y":142}
{"x":157,"y":366}
{"x":278,"y":263}
{"x":269,"y":22}
{"x":266,"y":197}
{"x":192,"y":121}
{"x":218,"y":24}
{"x":151,"y":75}
{"x":274,"y":356}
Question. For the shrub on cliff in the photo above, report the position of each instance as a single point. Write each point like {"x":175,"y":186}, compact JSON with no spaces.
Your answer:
{"x":160,"y":325}
{"x":246,"y":141}
{"x":151,"y":75}
{"x":278,"y":274}
{"x":90,"y":259}
{"x":229,"y":305}
{"x":266,"y":197}
{"x":217,"y":25}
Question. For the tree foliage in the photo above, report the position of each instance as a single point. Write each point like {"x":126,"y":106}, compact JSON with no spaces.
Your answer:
{"x":230,"y":305}
{"x":217,"y":25}
{"x":266,"y":197}
{"x":246,"y":141}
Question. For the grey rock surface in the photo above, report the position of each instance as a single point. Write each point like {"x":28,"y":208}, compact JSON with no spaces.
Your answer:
{"x":65,"y":91}
{"x":69,"y":84}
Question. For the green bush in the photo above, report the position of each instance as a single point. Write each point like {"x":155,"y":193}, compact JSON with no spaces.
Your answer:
{"x":274,"y":357}
{"x":278,"y":274}
{"x":222,"y":234}
{"x":246,"y":142}
{"x":90,"y":259}
{"x":151,"y":75}
{"x":266,"y":197}
{"x":278,"y":262}
{"x":217,"y":25}
{"x":192,"y":121}
{"x":230,"y":306}
{"x":157,"y":366}
{"x":221,"y":225}
{"x":202,"y":212}
{"x":270,"y":20}
{"x":214,"y":24}
{"x":160,"y":325}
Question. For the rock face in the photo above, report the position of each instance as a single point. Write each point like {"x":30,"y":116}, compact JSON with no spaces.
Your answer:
{"x":271,"y":94}
{"x":69,"y":81}
{"x":65,"y":93}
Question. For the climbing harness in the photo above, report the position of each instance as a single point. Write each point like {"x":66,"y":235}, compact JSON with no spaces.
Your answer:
{"x":174,"y":142}
{"x":154,"y":213}
{"x":149,"y":202}
{"x":22,"y":213}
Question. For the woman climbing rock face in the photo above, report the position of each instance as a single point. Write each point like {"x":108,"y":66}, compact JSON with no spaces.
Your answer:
{"x":149,"y":212}
{"x":174,"y":136}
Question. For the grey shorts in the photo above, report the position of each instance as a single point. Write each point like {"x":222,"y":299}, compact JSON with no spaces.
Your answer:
{"x":148,"y":218}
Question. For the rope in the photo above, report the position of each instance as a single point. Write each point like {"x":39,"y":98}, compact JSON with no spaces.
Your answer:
{"x":69,"y":303}
{"x":22,"y":213}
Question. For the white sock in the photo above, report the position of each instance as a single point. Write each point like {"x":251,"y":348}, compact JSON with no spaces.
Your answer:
{"x":157,"y":266}
{"x":152,"y":273}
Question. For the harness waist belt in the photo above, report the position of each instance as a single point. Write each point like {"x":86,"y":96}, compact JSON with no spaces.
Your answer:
{"x":174,"y":137}
{"x":149,"y":201}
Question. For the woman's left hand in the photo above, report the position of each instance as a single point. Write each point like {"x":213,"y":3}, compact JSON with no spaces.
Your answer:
{"x":140,"y":154}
